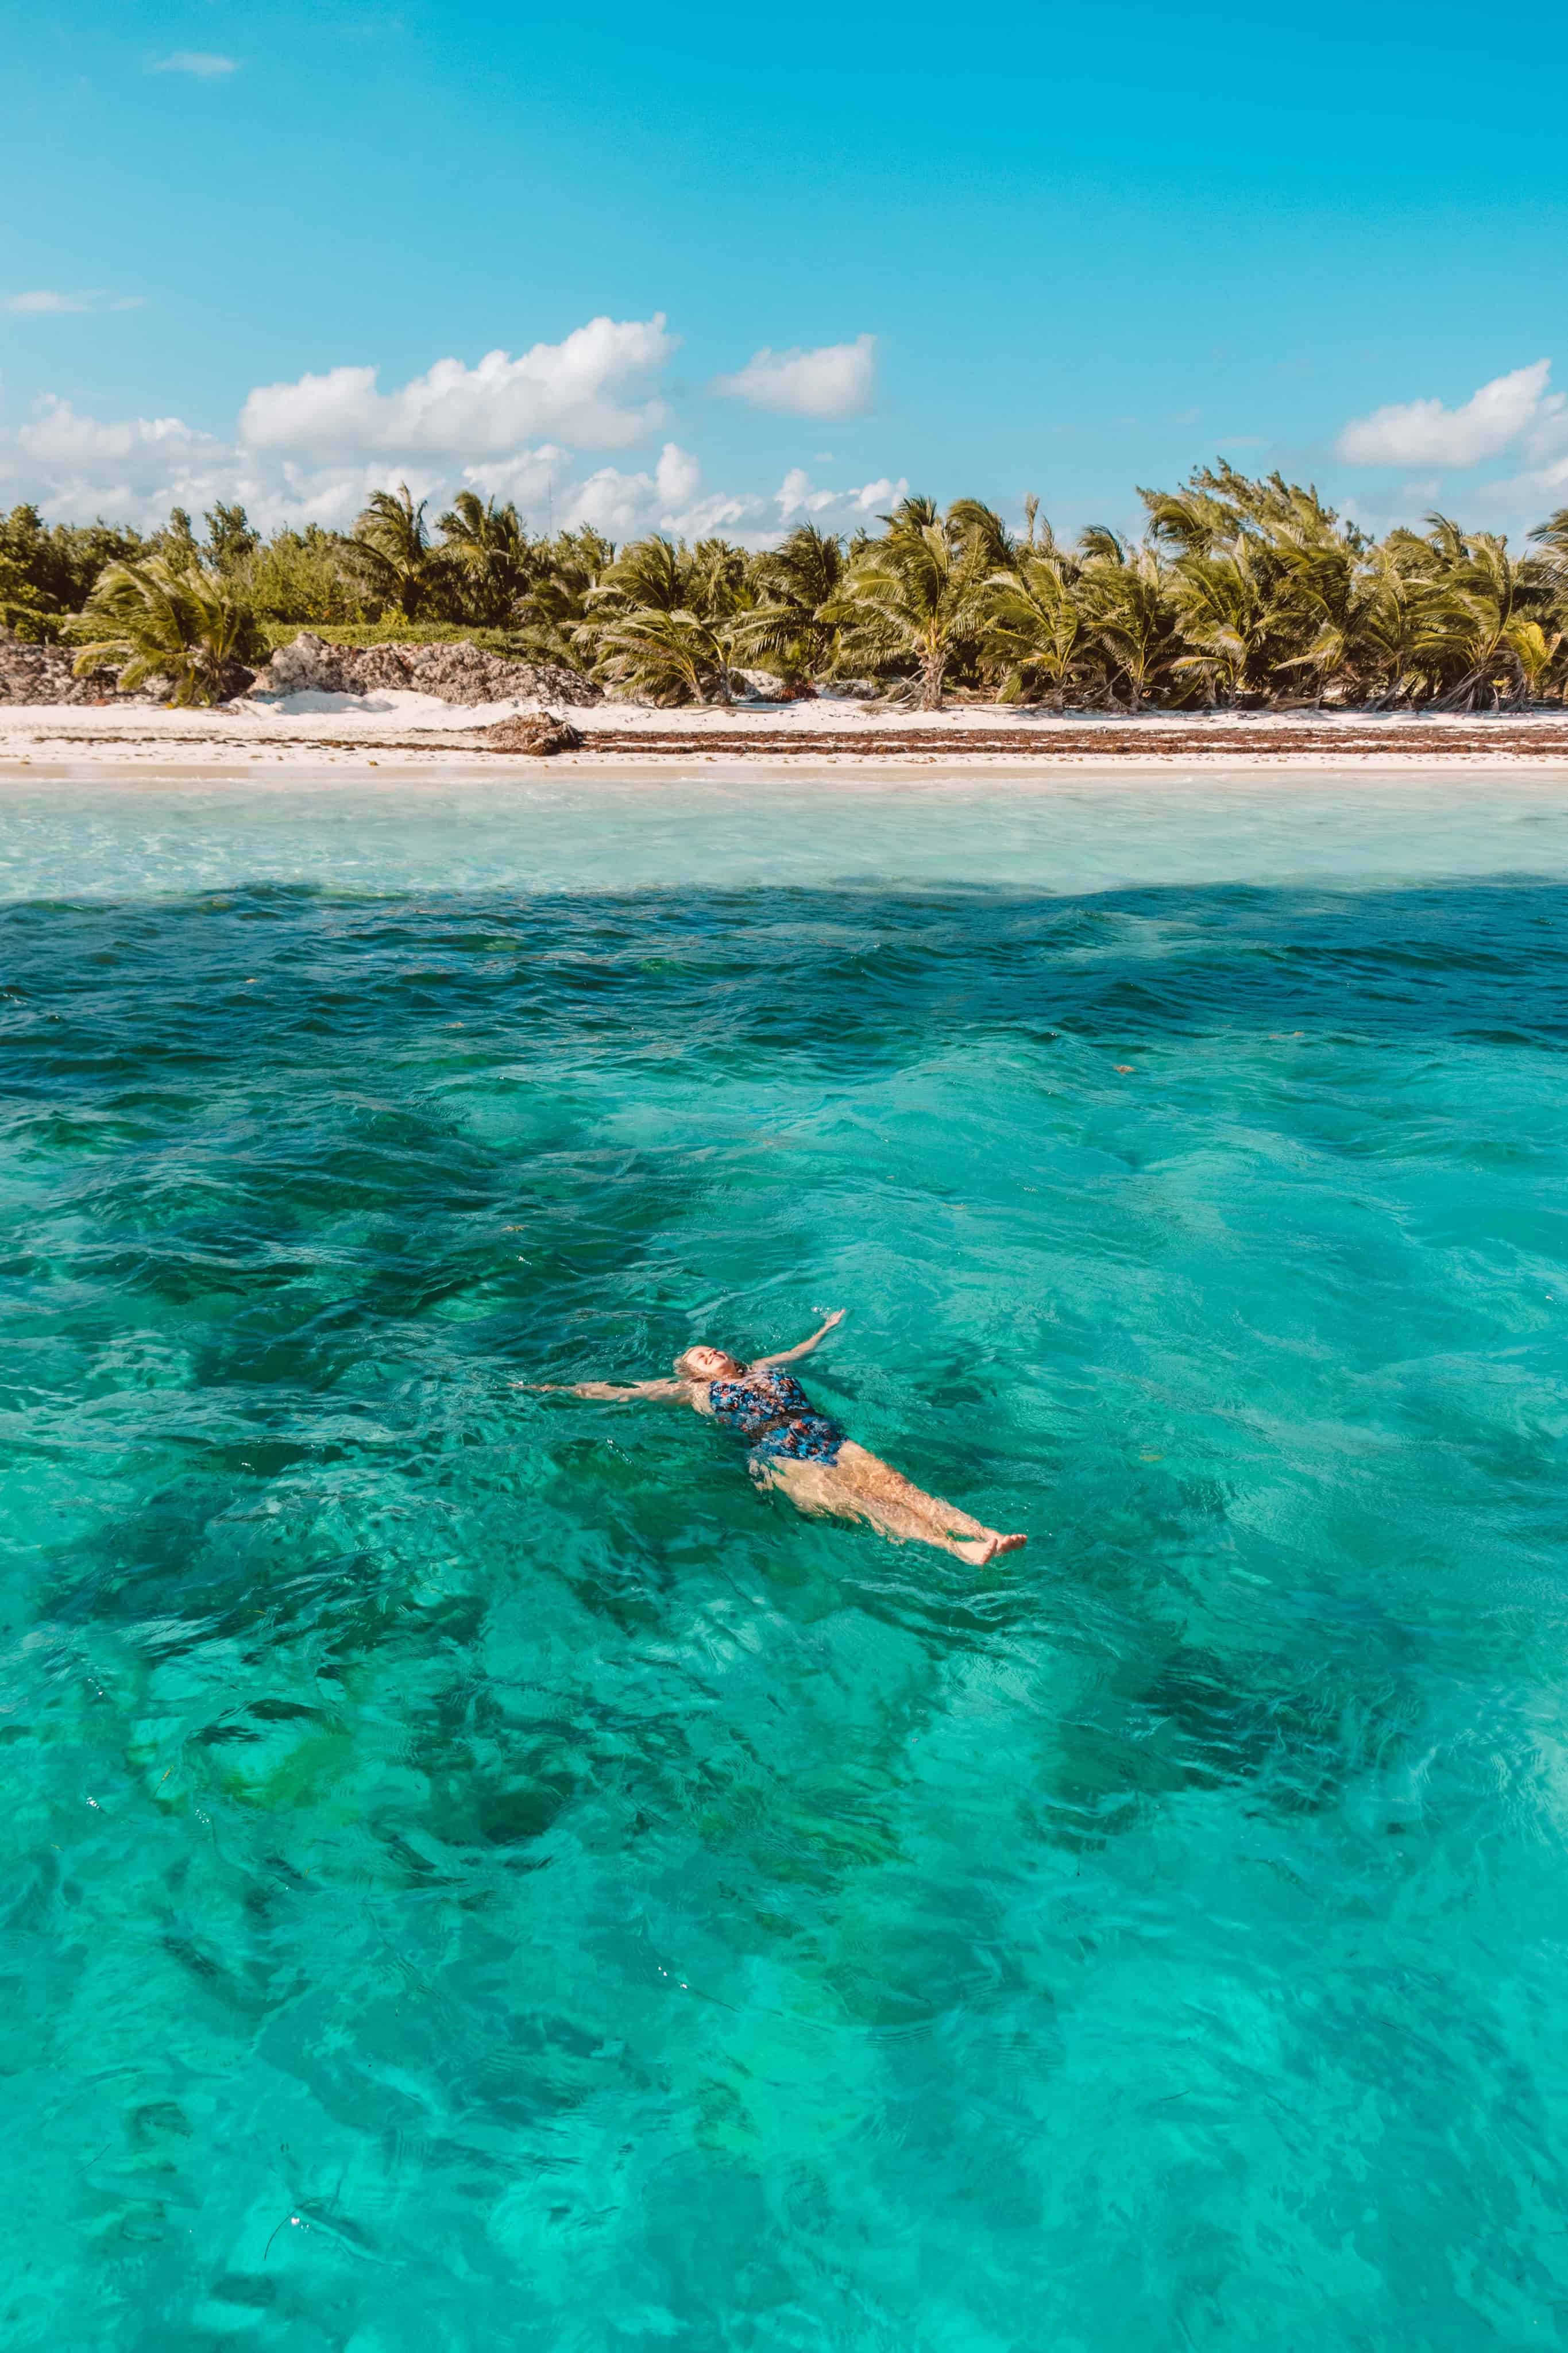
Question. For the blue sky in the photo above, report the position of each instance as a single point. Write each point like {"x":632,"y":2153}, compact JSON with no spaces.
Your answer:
{"x":1091,"y":246}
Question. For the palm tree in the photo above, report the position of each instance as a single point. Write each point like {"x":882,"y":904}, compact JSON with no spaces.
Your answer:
{"x":1127,"y":597}
{"x":562,"y":578}
{"x":661,"y":655}
{"x":1327,"y":594}
{"x":1396,"y":642}
{"x":656,"y":574}
{"x":1223,"y":606}
{"x":795,"y":584}
{"x":1479,"y":593}
{"x":490,"y":551}
{"x":1254,"y":587}
{"x":670,"y":620}
{"x":392,"y":549}
{"x":648,"y":624}
{"x":159,"y":619}
{"x":972,"y":519}
{"x":1037,"y":624}
{"x":917,"y":596}
{"x":1536,"y":655}
{"x":914,"y":512}
{"x":551,"y":608}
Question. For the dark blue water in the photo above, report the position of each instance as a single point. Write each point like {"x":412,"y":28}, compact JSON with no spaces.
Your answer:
{"x":478,"y":1874}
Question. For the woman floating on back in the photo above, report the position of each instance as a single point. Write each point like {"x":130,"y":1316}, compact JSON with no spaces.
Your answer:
{"x":793,"y":1447}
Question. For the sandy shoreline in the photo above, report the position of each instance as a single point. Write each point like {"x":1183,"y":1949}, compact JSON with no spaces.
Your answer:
{"x":407,"y":731}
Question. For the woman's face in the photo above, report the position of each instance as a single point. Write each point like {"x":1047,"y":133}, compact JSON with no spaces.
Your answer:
{"x":707,"y":1365}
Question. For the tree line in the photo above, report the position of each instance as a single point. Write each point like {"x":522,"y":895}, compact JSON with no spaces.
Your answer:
{"x":1241,"y":593}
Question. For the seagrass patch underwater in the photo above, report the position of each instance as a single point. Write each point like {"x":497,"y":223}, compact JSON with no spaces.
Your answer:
{"x":479,"y":1873}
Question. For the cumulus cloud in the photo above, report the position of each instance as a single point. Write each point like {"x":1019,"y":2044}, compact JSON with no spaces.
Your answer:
{"x":205,"y":64}
{"x":835,"y":380}
{"x":134,"y":469}
{"x":1510,"y":409}
{"x":58,"y":438}
{"x":540,"y":483}
{"x":676,"y":475}
{"x":623,"y":505}
{"x":312,"y":449}
{"x":583,"y":390}
{"x":799,"y":501}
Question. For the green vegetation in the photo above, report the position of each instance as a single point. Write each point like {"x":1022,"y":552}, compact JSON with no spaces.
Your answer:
{"x":392,"y":629}
{"x":1242,"y":593}
{"x":167,"y":617}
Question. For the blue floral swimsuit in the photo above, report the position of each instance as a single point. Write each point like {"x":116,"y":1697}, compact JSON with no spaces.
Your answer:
{"x":773,"y":1412}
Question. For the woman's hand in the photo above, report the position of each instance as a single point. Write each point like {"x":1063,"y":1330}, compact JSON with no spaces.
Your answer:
{"x":802,"y":1348}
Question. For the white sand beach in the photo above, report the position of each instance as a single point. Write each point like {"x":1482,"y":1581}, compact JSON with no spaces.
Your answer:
{"x":406,"y":730}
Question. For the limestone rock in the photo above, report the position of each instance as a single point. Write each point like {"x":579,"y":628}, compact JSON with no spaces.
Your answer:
{"x":540,"y":733}
{"x":459,"y":674}
{"x":305,"y":667}
{"x":30,"y":673}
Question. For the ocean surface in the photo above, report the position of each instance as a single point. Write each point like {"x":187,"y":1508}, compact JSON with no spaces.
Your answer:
{"x":477,"y":1875}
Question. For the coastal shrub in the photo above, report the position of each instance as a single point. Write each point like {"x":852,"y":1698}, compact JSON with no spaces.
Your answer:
{"x":48,"y":570}
{"x":170,"y":619}
{"x":304,"y":576}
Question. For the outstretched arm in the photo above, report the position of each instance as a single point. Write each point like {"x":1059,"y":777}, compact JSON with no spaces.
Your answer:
{"x":608,"y":1388}
{"x":804,"y":1348}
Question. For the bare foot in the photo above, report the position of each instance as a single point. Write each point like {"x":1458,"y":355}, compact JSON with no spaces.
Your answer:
{"x":980,"y":1549}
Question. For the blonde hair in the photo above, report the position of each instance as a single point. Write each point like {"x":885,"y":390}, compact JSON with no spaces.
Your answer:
{"x":683,"y":1360}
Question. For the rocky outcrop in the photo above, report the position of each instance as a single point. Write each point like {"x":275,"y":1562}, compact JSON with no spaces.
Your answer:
{"x":460,"y":674}
{"x":762,"y":686}
{"x":30,"y":673}
{"x":540,"y":733}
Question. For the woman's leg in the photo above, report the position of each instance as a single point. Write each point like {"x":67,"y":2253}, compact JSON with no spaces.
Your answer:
{"x":873,"y":1477}
{"x":859,"y":1487}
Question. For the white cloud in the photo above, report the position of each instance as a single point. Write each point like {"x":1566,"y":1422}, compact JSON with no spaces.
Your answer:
{"x":312,"y":451}
{"x":44,"y":301}
{"x":1424,"y":432}
{"x":530,"y":480}
{"x":58,"y":438}
{"x":835,"y":380}
{"x":798,"y":500}
{"x":205,"y":64}
{"x":133,"y":469}
{"x":623,"y":505}
{"x":1521,"y":500}
{"x":582,"y":389}
{"x":676,"y":475}
{"x":540,"y":483}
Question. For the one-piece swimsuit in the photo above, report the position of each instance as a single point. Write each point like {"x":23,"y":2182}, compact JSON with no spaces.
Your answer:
{"x":778,"y":1420}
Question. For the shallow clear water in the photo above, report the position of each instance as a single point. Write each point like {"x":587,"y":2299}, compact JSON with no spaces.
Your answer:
{"x":477,"y":1874}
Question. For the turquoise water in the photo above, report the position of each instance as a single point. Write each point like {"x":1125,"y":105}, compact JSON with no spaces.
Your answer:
{"x":477,"y":1874}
